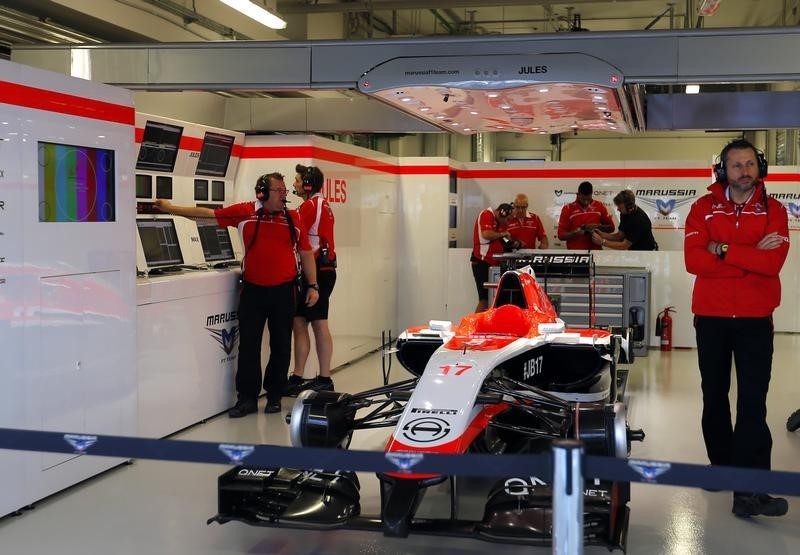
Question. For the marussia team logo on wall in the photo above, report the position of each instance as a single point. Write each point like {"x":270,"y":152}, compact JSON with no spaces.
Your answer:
{"x":225,"y":337}
{"x":666,"y":201}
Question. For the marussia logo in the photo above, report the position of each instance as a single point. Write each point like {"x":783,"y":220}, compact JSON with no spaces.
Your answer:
{"x":558,"y":192}
{"x":794,"y":209}
{"x":665,"y":207}
{"x":226,"y":339}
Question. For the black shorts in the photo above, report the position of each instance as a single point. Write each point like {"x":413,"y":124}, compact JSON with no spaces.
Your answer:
{"x":480,"y":270}
{"x":326,"y":279}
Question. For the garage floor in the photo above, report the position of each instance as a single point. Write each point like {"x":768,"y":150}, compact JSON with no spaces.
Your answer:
{"x":161,"y":507}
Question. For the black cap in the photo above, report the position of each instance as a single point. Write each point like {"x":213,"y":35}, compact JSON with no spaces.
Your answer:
{"x":505,"y":209}
{"x":301,"y":169}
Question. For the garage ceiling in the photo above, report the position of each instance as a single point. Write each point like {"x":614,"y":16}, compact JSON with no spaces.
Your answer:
{"x":80,"y":21}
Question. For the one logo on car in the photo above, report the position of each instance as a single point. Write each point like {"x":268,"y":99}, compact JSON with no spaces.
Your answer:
{"x":426,"y":429}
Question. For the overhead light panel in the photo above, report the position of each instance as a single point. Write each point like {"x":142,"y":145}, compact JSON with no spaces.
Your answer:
{"x":692,"y":89}
{"x":543,"y":93}
{"x":258,"y":13}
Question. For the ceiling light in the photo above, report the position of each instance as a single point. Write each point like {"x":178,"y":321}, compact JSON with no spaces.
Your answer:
{"x":426,"y":109}
{"x":492,"y":95}
{"x":256,"y":12}
{"x":474,"y":113}
{"x":406,"y":99}
{"x":505,"y":106}
{"x":692,"y":89}
{"x":544,"y":90}
{"x":599,"y":97}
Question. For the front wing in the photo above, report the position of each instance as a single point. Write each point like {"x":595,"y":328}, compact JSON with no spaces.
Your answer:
{"x":319,"y":500}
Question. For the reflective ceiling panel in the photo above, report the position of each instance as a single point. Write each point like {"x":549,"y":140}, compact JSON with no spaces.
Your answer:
{"x":546,"y":93}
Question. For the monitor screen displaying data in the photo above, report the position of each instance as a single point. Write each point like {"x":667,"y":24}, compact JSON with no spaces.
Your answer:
{"x":159,"y":242}
{"x":216,"y":241}
{"x":215,"y":155}
{"x":159,"y":148}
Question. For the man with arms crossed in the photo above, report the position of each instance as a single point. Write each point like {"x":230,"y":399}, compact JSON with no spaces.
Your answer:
{"x":736,"y":242}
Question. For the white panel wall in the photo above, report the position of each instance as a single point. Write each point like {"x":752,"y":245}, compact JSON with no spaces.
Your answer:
{"x":422,"y":247}
{"x":66,"y":288}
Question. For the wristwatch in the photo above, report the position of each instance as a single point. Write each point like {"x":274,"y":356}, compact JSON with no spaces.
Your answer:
{"x":723,"y":250}
{"x":313,"y":286}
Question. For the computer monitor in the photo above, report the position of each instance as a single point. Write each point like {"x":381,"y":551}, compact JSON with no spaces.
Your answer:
{"x":215,"y":155}
{"x":144,"y":186}
{"x":76,"y":184}
{"x":216,"y":241}
{"x":159,"y":147}
{"x":163,"y":186}
{"x":159,"y":242}
{"x":201,"y":189}
{"x":218,"y":191}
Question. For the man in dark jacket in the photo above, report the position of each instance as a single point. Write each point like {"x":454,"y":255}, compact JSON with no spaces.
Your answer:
{"x":635,"y":232}
{"x":736,"y":242}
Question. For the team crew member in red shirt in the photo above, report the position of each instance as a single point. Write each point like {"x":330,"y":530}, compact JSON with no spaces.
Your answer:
{"x":318,"y":220}
{"x":581,"y":217}
{"x":525,"y":227}
{"x":487,"y":236}
{"x":736,"y":242}
{"x":269,"y":270}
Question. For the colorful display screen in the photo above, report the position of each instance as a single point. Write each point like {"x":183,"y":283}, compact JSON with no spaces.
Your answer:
{"x":76,"y":184}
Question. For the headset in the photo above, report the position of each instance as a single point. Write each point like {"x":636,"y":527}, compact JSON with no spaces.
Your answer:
{"x":311,"y":178}
{"x":262,"y":188}
{"x":719,"y":168}
{"x":505,"y":209}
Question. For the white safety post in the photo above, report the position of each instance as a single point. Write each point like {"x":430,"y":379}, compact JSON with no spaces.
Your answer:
{"x":567,"y":497}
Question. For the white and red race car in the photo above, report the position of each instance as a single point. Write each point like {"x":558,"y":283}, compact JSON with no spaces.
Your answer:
{"x":508,"y":380}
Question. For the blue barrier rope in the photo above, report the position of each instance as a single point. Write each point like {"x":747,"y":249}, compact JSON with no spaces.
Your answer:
{"x":273,"y":456}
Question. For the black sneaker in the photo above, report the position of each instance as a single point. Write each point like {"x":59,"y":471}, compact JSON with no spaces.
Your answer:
{"x":243,"y":407}
{"x":759,"y":504}
{"x":272,"y":407}
{"x":320,"y":384}
{"x":294,"y":385}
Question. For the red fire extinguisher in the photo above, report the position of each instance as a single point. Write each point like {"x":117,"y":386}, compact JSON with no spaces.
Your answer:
{"x":664,"y":328}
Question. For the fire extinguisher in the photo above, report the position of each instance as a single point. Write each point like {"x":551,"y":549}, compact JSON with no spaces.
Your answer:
{"x":664,"y":328}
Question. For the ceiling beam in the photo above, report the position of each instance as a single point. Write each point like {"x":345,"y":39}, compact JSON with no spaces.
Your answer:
{"x":294,"y":7}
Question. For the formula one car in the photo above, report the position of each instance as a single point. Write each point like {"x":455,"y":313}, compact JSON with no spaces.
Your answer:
{"x":508,"y":380}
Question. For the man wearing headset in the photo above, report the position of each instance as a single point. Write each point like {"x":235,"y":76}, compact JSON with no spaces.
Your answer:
{"x":488,"y":236}
{"x":317,"y":218}
{"x":635,"y":232}
{"x":736,"y":242}
{"x":275,"y":243}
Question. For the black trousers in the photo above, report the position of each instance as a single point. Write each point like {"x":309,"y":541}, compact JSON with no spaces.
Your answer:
{"x":273,"y":306}
{"x":749,"y":342}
